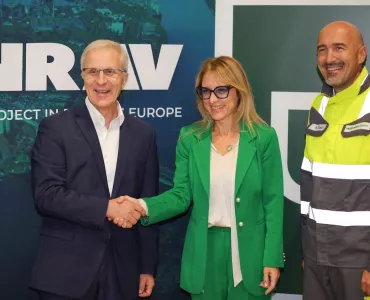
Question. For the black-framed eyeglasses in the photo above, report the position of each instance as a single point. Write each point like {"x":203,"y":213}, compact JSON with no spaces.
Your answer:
{"x":108,"y":73}
{"x":221,"y":92}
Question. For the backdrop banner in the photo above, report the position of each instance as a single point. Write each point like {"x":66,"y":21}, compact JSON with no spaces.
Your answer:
{"x":41,"y":42}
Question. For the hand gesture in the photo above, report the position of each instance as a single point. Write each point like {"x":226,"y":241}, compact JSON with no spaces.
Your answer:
{"x":124,"y":212}
{"x":120,"y":220}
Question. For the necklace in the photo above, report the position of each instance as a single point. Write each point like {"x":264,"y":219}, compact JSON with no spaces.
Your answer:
{"x":229,"y":148}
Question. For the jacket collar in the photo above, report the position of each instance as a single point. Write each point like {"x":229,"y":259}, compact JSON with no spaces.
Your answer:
{"x":361,"y":84}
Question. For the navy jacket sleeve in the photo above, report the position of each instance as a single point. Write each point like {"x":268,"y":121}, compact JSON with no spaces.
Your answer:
{"x":48,"y":174}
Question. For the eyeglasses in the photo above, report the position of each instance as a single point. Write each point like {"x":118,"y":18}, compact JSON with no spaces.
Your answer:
{"x":109,"y":73}
{"x":221,"y":92}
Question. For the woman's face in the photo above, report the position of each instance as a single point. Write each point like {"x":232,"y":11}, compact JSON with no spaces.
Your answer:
{"x":220,"y":99}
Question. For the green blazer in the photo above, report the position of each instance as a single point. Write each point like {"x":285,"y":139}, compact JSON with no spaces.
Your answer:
{"x":258,"y":211}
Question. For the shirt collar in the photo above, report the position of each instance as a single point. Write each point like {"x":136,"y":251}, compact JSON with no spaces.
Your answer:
{"x":358,"y":87}
{"x":98,"y":118}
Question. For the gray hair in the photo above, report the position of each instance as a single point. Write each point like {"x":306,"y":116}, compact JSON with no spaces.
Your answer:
{"x":108,"y":44}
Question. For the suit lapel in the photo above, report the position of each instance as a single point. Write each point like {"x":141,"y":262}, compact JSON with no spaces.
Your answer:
{"x":86,"y":125}
{"x":246,"y":153}
{"x":123,"y":154}
{"x":202,"y":155}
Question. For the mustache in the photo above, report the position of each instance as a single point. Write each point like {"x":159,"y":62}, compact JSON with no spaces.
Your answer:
{"x":336,"y":64}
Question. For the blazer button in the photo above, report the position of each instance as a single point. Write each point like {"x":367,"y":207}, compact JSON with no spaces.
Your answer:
{"x":146,"y":220}
{"x":241,"y":224}
{"x":237,"y":200}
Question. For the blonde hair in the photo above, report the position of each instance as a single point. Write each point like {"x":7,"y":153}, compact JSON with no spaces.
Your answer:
{"x":229,"y":71}
{"x":107,"y":44}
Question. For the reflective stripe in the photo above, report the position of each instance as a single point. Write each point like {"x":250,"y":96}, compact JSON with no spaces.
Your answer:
{"x":306,"y":165}
{"x":336,"y":171}
{"x":364,"y":110}
{"x":340,"y":218}
{"x":304,"y":207}
{"x":363,"y":81}
{"x":366,"y":106}
{"x":323,"y":104}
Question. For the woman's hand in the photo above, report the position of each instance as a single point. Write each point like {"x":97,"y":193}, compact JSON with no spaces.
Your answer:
{"x":270,"y":279}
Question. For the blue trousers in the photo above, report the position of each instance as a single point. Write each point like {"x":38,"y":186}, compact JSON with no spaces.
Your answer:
{"x":104,"y":287}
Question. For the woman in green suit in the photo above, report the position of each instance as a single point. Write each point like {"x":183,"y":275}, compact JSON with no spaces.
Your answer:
{"x":229,"y":165}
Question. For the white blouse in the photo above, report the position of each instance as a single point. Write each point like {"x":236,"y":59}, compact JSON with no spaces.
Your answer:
{"x":221,"y":200}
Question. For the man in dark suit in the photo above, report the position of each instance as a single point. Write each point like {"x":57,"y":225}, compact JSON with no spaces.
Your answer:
{"x":83,"y":161}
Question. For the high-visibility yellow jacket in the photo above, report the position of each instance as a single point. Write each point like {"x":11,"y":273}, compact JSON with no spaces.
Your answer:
{"x":335,"y":177}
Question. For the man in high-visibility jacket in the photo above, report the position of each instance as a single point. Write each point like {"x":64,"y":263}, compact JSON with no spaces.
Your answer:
{"x":335,"y":175}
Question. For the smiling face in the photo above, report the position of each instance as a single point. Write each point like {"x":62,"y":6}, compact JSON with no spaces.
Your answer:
{"x":103,"y":92}
{"x":219,"y":109}
{"x":340,"y":54}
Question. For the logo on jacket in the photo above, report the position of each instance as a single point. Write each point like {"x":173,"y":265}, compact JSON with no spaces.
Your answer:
{"x":317,"y":127}
{"x":359,"y":126}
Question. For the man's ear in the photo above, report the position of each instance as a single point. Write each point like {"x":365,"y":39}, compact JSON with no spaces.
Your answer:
{"x":362,"y":54}
{"x":125,"y":78}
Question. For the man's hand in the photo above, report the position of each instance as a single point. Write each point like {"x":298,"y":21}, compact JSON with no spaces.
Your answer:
{"x":128,"y":198}
{"x":120,"y":220}
{"x":365,"y":282}
{"x":146,"y":285}
{"x":270,"y":278}
{"x":124,"y":213}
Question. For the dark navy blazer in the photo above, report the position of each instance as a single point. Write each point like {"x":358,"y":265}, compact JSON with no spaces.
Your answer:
{"x":71,"y":194}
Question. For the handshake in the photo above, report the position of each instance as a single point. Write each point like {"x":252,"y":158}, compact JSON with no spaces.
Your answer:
{"x":125,"y":211}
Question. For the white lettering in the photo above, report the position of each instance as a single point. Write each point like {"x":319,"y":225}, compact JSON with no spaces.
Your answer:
{"x":18,"y":115}
{"x":25,"y":114}
{"x":140,"y":115}
{"x":151,"y":77}
{"x":52,"y":112}
{"x":37,"y":113}
{"x":54,"y":61}
{"x":132,"y":111}
{"x":159,"y":112}
{"x":11,"y":67}
{"x":170,"y":111}
{"x":38,"y":69}
{"x":150,"y":112}
{"x":178,"y":113}
{"x":10,"y":115}
{"x":4,"y":115}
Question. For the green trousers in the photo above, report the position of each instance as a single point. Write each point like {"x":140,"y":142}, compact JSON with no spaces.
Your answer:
{"x":219,"y":283}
